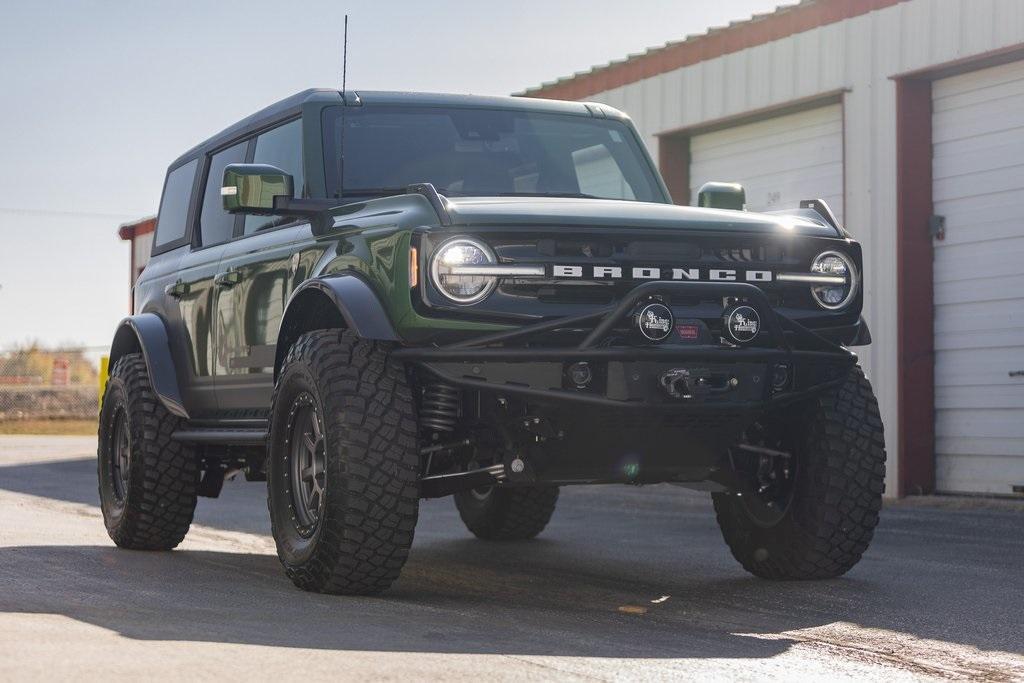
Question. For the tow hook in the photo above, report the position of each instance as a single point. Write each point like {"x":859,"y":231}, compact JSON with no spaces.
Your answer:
{"x":695,"y":384}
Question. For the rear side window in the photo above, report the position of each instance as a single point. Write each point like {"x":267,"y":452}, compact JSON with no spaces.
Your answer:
{"x":215,"y":224}
{"x":171,"y":223}
{"x":281,"y":147}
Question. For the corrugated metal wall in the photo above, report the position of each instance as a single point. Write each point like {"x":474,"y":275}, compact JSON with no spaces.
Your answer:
{"x":859,"y":54}
{"x":779,"y":161}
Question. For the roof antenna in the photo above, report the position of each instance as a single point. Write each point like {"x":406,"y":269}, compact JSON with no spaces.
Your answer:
{"x":344,"y":58}
{"x":340,"y":191}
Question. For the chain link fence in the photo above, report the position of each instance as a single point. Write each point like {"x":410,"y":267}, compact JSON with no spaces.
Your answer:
{"x":38,"y":383}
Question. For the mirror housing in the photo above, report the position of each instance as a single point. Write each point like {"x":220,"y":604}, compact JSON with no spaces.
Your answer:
{"x":253,"y":188}
{"x":722,"y":196}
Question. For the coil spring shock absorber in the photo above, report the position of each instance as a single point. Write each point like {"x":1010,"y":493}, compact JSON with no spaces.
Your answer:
{"x":439,"y":407}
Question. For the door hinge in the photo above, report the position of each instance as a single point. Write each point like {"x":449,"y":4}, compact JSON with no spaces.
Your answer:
{"x":228,"y":279}
{"x":177,"y":290}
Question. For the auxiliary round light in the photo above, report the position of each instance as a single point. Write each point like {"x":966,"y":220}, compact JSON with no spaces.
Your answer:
{"x":462,"y":252}
{"x":834,"y":296}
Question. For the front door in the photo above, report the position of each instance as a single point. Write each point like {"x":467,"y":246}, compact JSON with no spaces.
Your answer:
{"x":257,"y":275}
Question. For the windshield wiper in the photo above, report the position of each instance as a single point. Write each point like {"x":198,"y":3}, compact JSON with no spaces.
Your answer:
{"x":570,"y":195}
{"x":382,"y":191}
{"x":389,"y":191}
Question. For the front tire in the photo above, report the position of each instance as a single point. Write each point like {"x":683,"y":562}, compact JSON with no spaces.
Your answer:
{"x":147,"y":481}
{"x":819,"y":526}
{"x":343,"y":465}
{"x":512,"y":514}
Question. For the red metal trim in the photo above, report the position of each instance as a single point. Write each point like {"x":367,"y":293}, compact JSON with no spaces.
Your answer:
{"x":915,"y":355}
{"x":914,"y":257}
{"x":761,"y":114}
{"x":962,"y":65}
{"x":129,"y":231}
{"x":674,"y":164}
{"x":741,"y":36}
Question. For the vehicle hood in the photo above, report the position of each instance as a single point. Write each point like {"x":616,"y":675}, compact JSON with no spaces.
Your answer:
{"x":617,"y":214}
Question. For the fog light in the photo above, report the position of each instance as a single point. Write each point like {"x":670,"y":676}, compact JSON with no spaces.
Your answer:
{"x":780,"y":377}
{"x":580,"y":374}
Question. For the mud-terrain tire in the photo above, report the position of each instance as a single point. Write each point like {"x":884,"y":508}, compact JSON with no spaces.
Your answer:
{"x":353,"y":537}
{"x":836,"y":496}
{"x":147,"y":482}
{"x":512,"y":514}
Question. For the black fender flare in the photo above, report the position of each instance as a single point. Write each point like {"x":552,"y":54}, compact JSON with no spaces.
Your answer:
{"x":146,"y":333}
{"x":350,"y":298}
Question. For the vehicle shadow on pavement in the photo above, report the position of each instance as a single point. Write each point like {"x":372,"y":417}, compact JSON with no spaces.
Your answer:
{"x":244,"y":598}
{"x":621,"y":572}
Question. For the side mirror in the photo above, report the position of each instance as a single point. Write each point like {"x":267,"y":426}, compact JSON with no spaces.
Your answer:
{"x":722,"y":196}
{"x":252,"y":188}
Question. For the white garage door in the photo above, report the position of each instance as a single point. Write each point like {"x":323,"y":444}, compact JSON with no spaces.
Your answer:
{"x":779,"y":161}
{"x":978,"y":134}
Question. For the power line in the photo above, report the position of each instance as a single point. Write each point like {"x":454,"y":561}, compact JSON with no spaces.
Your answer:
{"x":57,"y":212}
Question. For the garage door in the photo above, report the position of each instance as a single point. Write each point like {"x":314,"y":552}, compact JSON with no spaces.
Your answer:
{"x":978,"y":167}
{"x":779,"y":161}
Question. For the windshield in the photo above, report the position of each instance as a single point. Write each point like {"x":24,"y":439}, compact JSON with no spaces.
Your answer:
{"x":484,"y":152}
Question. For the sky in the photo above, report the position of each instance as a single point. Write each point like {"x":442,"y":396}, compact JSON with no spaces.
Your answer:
{"x":96,"y":98}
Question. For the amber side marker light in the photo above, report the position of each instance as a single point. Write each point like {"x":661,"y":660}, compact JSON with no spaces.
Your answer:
{"x":414,"y":267}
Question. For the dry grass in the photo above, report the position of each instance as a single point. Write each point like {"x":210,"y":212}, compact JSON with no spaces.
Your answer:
{"x":49,"y":427}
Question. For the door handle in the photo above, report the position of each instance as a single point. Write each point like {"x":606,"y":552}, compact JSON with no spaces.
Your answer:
{"x":177,"y":290}
{"x":228,"y":279}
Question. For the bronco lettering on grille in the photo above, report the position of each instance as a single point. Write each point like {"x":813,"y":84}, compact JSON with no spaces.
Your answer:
{"x":657,"y":273}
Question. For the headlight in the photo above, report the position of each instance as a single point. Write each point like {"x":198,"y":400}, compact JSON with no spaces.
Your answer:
{"x":837,"y":265}
{"x":452,"y":270}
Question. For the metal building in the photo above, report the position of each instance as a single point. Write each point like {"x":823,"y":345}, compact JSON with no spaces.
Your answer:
{"x":907,"y":116}
{"x":140,"y":234}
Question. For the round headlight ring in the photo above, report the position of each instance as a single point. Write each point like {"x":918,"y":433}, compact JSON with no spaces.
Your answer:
{"x":852,"y":284}
{"x":437,"y":268}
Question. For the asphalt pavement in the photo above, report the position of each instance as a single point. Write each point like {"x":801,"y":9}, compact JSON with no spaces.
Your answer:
{"x":626,"y":583}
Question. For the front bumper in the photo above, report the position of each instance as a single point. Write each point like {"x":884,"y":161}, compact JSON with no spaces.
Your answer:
{"x":786,"y":362}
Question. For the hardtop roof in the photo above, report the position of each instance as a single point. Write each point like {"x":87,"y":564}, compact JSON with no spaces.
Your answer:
{"x":293,"y":106}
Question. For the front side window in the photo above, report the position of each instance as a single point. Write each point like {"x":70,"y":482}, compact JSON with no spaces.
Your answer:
{"x":171,"y":222}
{"x":215,"y":224}
{"x":280,"y":147}
{"x":484,"y":152}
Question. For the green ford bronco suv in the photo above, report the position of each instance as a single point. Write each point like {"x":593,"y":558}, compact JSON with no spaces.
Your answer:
{"x":370,"y":298}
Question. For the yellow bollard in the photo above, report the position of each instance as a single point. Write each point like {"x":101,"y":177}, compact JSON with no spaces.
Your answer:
{"x":102,"y":378}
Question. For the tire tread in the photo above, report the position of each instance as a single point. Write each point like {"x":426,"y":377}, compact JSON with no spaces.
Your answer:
{"x":837,"y":507}
{"x":370,"y":418}
{"x":164,"y":473}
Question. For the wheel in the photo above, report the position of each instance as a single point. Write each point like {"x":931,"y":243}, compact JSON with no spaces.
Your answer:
{"x":512,"y":514}
{"x":343,"y":465}
{"x":810,"y":515}
{"x":147,"y":481}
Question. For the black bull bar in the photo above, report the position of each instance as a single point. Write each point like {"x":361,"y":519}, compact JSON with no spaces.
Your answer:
{"x":502,"y":361}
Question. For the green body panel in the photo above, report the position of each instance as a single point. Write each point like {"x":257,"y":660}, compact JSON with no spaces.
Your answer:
{"x":224,"y":305}
{"x":372,"y":240}
{"x":722,"y":196}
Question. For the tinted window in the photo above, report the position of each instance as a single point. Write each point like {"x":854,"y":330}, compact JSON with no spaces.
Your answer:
{"x":281,"y":147}
{"x":171,"y":225}
{"x":484,"y":152}
{"x":215,"y":224}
